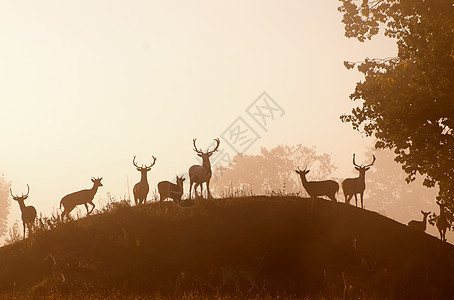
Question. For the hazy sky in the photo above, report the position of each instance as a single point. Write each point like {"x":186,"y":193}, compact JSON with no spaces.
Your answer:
{"x":86,"y":85}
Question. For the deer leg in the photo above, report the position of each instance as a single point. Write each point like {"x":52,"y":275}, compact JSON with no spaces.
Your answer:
{"x":312,"y":203}
{"x":86,"y":207}
{"x":190,"y":189}
{"x":348,"y":198}
{"x":24,"y":229}
{"x":66,"y":212}
{"x":195,"y":190}
{"x":201,"y":190}
{"x":356,"y":200}
{"x":362,"y":196}
{"x":92,"y":206}
{"x":208,"y":190}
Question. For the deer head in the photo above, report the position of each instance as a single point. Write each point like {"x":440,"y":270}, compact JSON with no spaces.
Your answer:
{"x":180,"y":180}
{"x":302,"y":172}
{"x":20,"y":198}
{"x":425,"y":214}
{"x":144,"y":168}
{"x":96,"y":181}
{"x":205,"y":155}
{"x":362,"y":169}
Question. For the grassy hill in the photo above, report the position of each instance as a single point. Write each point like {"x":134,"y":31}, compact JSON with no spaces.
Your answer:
{"x":237,"y":247}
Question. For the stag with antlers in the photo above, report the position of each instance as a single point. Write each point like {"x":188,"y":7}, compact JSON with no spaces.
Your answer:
{"x":84,"y":197}
{"x":327,"y":188}
{"x":200,"y":174}
{"x":141,"y":188}
{"x":28,"y":212}
{"x":441,"y":221}
{"x":354,"y":186}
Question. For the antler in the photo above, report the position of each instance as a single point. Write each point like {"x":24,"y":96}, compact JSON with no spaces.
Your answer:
{"x":195,"y":147}
{"x":28,"y":192}
{"x":23,"y":196}
{"x":371,"y":163}
{"x":152,"y":164}
{"x":354,"y":161}
{"x":134,"y":162}
{"x":217,"y":146}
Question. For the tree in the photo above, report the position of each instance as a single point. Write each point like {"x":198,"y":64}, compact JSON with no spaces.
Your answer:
{"x":4,"y":204}
{"x":407,"y":101}
{"x":273,"y":170}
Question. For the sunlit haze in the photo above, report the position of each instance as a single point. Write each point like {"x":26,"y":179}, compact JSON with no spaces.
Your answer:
{"x":88,"y":85}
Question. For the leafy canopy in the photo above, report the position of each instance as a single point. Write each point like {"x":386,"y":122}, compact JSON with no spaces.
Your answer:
{"x":407,"y":102}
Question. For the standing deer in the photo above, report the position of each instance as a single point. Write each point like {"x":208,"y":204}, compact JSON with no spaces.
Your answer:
{"x":327,"y":188}
{"x":200,"y":174}
{"x":170,"y":190}
{"x":84,"y":197}
{"x":141,"y":188}
{"x":28,"y":212}
{"x":442,"y":222}
{"x":419,"y":225}
{"x":354,"y":186}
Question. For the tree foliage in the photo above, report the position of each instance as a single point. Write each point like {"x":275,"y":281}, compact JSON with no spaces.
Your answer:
{"x":407,"y":102}
{"x":272,"y":170}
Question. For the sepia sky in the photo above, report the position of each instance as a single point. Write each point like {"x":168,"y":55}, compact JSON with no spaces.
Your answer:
{"x":86,"y":85}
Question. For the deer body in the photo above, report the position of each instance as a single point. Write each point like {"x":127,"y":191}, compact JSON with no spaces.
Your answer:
{"x":28,"y":213}
{"x":354,"y":186}
{"x":327,"y":188}
{"x":442,"y":222}
{"x":142,"y":188}
{"x":85,"y":197}
{"x":201,"y":174}
{"x":167,"y":189}
{"x":419,"y":225}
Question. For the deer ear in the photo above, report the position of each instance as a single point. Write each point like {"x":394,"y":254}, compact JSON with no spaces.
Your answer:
{"x":183,"y":179}
{"x":93,"y":180}
{"x":199,"y":155}
{"x":367,"y":168}
{"x":422,"y":212}
{"x":356,"y":168}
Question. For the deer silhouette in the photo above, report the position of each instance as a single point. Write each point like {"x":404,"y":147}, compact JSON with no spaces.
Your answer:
{"x":327,"y":188}
{"x":419,"y":225}
{"x":200,"y":174}
{"x":442,"y":222}
{"x":354,"y":186}
{"x":167,"y":189}
{"x":141,"y":188}
{"x":28,"y":212}
{"x":84,"y":197}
